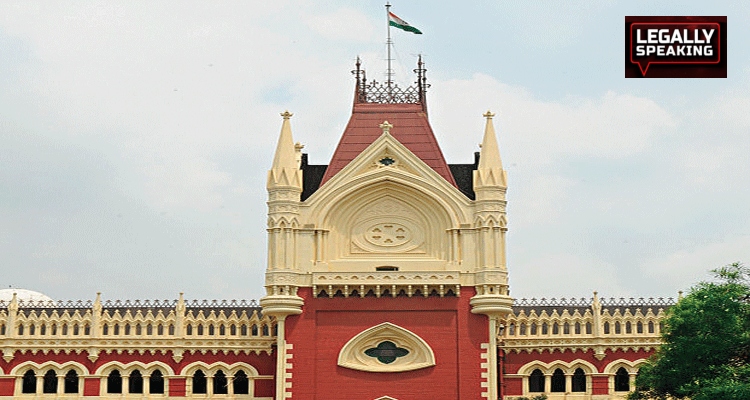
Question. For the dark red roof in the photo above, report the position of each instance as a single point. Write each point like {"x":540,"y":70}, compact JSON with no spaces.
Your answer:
{"x":410,"y":127}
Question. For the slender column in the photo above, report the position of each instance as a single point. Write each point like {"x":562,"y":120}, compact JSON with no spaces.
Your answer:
{"x":280,"y":358}
{"x":547,"y":383}
{"x":492,"y":359}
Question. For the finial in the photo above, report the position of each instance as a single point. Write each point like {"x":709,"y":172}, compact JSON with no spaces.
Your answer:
{"x":386,"y":127}
{"x":488,"y":114}
{"x":286,"y":114}
{"x":679,"y":295}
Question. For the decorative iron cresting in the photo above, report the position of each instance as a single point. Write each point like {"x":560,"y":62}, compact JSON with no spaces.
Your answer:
{"x":391,"y":93}
{"x":584,"y":302}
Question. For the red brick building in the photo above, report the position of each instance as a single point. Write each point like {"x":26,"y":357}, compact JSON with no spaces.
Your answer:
{"x":386,"y":279}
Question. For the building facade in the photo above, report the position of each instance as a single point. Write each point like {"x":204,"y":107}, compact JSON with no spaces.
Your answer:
{"x":386,"y":279}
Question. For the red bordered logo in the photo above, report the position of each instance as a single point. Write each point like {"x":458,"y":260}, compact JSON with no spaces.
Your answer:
{"x":675,"y":47}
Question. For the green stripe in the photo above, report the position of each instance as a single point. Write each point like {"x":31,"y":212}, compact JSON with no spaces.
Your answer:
{"x":407,"y":28}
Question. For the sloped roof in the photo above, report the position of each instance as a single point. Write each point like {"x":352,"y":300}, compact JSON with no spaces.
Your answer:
{"x":410,"y":127}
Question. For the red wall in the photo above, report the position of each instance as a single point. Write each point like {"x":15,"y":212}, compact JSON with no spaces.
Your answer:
{"x":446,"y":324}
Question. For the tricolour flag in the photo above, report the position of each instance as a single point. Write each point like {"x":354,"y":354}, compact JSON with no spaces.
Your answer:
{"x":399,"y":23}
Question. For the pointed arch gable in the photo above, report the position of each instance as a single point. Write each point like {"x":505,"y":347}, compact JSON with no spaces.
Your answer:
{"x":630,"y":366}
{"x":418,"y":354}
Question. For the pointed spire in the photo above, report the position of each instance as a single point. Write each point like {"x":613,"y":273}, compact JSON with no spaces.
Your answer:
{"x":490,"y":153}
{"x":285,"y":150}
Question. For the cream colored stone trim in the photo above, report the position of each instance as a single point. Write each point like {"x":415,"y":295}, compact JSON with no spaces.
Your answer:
{"x":353,"y":356}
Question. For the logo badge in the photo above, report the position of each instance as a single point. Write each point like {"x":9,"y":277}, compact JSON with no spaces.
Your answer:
{"x":675,"y":47}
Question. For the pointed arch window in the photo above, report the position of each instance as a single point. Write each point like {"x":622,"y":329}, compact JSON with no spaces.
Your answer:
{"x":135,"y":382}
{"x":558,"y":381}
{"x":199,"y":383}
{"x":28,"y":384}
{"x":536,"y":381}
{"x":156,"y":382}
{"x":71,"y":382}
{"x":114,"y":382}
{"x":579,"y":381}
{"x":622,"y":380}
{"x":49,"y":383}
{"x":241,"y":383}
{"x":221,"y":385}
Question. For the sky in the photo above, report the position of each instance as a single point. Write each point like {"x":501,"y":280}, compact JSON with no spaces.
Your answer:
{"x":135,"y":137}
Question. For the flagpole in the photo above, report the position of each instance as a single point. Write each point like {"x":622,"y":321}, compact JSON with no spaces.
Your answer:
{"x":388,"y":42}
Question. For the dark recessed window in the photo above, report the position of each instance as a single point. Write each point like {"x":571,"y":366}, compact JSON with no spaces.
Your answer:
{"x":558,"y":381}
{"x":199,"y":382}
{"x":28,"y":385}
{"x":536,"y":381}
{"x":386,"y":352}
{"x":241,"y":384}
{"x":114,"y":382}
{"x":622,"y":380}
{"x":221,"y":385}
{"x":388,"y":268}
{"x":135,"y":382}
{"x":579,"y":380}
{"x":49,"y":384}
{"x":71,"y":382}
{"x":156,"y":382}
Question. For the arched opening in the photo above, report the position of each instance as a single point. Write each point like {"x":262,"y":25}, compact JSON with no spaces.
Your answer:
{"x":28,"y":383}
{"x":199,"y":382}
{"x":49,"y":383}
{"x":221,"y":386}
{"x":558,"y":381}
{"x":114,"y":382}
{"x":536,"y":381}
{"x":579,"y":381}
{"x":622,"y":380}
{"x":71,"y":382}
{"x":156,"y":382}
{"x":135,"y":382}
{"x":241,"y":383}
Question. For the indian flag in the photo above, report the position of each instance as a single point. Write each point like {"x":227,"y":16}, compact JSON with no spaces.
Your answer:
{"x":394,"y":20}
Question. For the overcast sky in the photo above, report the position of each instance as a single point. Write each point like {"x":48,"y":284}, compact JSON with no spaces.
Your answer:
{"x":135,"y":137}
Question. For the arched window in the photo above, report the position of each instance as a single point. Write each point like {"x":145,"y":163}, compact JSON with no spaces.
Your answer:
{"x":233,"y":330}
{"x":32,"y":329}
{"x":43,"y":329}
{"x":20,"y":330}
{"x":65,"y":330}
{"x":127,"y":329}
{"x":532,"y":330}
{"x":171,"y":329}
{"x":221,"y":386}
{"x":254,"y":330}
{"x":579,"y":381}
{"x":156,"y":382}
{"x":606,"y":328}
{"x":536,"y":381}
{"x":240,"y":382}
{"x":522,"y":330}
{"x":650,"y":326}
{"x":628,"y":327}
{"x":189,"y":330}
{"x":265,"y":330}
{"x":578,"y":328}
{"x":639,"y":327}
{"x":222,"y":330}
{"x":200,"y":330}
{"x":76,"y":331}
{"x":211,"y":330}
{"x":618,"y":328}
{"x":555,"y":328}
{"x":545,"y":328}
{"x":54,"y":330}
{"x":114,"y":382}
{"x":105,"y":330}
{"x":160,"y":330}
{"x":49,"y":384}
{"x":135,"y":382}
{"x":566,"y":329}
{"x":558,"y":381}
{"x":138,"y":329}
{"x":149,"y":329}
{"x":71,"y":382}
{"x":28,"y":384}
{"x":622,"y":380}
{"x":117,"y":329}
{"x":199,"y":383}
{"x":243,"y":330}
